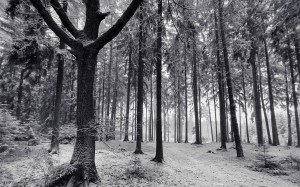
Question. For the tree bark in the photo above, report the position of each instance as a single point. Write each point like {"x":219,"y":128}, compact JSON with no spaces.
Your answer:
{"x":159,"y":145}
{"x":140,"y":94}
{"x":287,"y":101}
{"x":195,"y":88}
{"x":294,"y":91}
{"x":220,"y":84}
{"x":210,"y":122}
{"x":107,"y":126}
{"x":128,"y":92}
{"x":239,"y":148}
{"x":245,"y":104}
{"x":20,"y":95}
{"x":263,"y":105}
{"x":272,"y":110}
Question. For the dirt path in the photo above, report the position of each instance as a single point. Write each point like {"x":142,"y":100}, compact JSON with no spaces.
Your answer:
{"x":192,"y":164}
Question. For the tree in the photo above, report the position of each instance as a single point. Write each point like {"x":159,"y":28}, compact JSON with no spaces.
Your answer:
{"x":54,"y":148}
{"x":139,"y":109}
{"x":83,"y":158}
{"x":159,"y":145}
{"x":239,"y":148}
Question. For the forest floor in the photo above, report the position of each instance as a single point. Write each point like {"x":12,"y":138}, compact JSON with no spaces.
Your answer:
{"x":184,"y":164}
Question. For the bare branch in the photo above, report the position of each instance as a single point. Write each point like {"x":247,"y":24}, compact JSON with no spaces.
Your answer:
{"x":117,"y":27}
{"x":64,"y":18}
{"x":53,"y":25}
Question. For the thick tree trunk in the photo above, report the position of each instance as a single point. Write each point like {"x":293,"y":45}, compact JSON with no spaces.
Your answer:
{"x":287,"y":101}
{"x":263,"y":105}
{"x":294,"y":91}
{"x":84,"y":150}
{"x":272,"y":110}
{"x":140,"y":94}
{"x":221,"y":90}
{"x":239,"y":148}
{"x":159,"y":144}
{"x":128,"y":93}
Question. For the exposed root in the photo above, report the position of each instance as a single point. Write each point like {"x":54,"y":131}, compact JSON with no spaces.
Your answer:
{"x":138,"y":152}
{"x":71,"y":175}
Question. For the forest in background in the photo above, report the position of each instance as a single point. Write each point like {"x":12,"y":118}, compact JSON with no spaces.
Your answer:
{"x":178,"y":71}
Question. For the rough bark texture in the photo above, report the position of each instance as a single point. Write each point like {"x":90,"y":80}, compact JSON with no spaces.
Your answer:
{"x":272,"y":110}
{"x":239,"y":148}
{"x":159,"y":144}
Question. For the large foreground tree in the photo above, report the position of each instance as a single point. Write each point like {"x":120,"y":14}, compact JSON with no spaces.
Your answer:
{"x":85,"y":45}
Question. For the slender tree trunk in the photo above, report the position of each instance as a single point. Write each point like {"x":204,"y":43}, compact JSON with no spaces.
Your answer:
{"x":215,"y":110}
{"x":103,"y":122}
{"x":272,"y":110}
{"x":210,"y":122}
{"x":221,"y":90}
{"x":146,"y":110}
{"x":287,"y":101}
{"x":179,"y":110}
{"x":107,"y":128}
{"x":263,"y":105}
{"x":159,"y":145}
{"x":186,"y":100}
{"x":151,"y":108}
{"x":140,"y":94}
{"x":245,"y":104}
{"x":112,"y":130}
{"x":294,"y":91}
{"x":20,"y":95}
{"x":240,"y":115}
{"x":175,"y":119}
{"x":121,"y":118}
{"x":239,"y":148}
{"x":128,"y":92}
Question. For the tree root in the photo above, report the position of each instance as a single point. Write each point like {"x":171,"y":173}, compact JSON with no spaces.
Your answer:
{"x":70,"y":175}
{"x":158,"y":160}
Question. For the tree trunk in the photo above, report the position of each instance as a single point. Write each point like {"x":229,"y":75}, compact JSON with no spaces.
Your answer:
{"x":263,"y":105}
{"x":159,"y":145}
{"x":215,"y":109}
{"x":239,"y":148}
{"x":245,"y":104}
{"x":54,"y":147}
{"x":140,"y":94}
{"x":186,"y":96}
{"x":287,"y":101}
{"x":107,"y":126}
{"x":84,"y":150}
{"x":151,"y":108}
{"x":121,"y":118}
{"x":210,"y":122}
{"x":128,"y":92}
{"x":220,"y":84}
{"x":179,"y":110}
{"x":175,"y":119}
{"x":20,"y":95}
{"x":272,"y":110}
{"x":294,"y":91}
{"x":195,"y":88}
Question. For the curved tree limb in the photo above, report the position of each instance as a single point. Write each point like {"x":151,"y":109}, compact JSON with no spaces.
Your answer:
{"x":117,"y":27}
{"x":64,"y":18}
{"x":53,"y":25}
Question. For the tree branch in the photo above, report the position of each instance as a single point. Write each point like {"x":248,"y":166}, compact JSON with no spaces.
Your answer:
{"x":53,"y":25}
{"x":64,"y":18}
{"x":117,"y":27}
